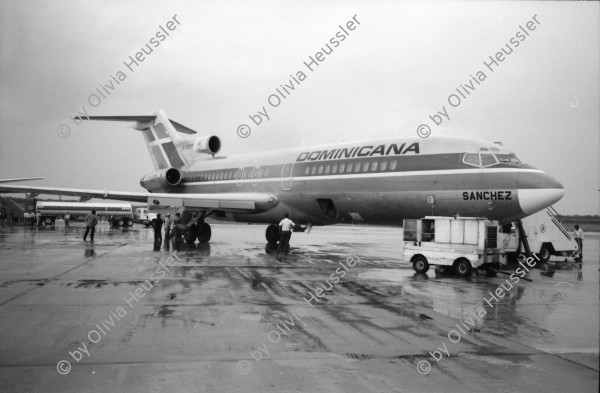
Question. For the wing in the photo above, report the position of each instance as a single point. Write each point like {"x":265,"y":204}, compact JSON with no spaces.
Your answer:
{"x":238,"y":202}
{"x":20,"y":179}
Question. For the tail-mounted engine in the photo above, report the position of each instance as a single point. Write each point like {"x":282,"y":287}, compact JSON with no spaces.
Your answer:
{"x":209,"y":144}
{"x":162,"y":180}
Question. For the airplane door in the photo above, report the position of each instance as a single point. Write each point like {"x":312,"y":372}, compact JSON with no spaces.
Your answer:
{"x":286,"y":174}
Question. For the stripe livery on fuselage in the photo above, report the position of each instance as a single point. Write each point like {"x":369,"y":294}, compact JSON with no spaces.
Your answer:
{"x":373,"y":182}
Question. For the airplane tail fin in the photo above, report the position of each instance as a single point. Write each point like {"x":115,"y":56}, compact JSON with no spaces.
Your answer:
{"x":161,"y":135}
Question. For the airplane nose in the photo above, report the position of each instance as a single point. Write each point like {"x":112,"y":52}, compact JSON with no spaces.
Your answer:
{"x":538,"y":190}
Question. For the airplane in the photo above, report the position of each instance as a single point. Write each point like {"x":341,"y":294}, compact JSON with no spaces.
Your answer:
{"x":378,"y":182}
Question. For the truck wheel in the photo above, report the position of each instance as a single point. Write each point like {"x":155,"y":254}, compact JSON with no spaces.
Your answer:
{"x":420,"y":264}
{"x":272,"y":233}
{"x":47,"y":221}
{"x":545,"y":253}
{"x":462,"y":267}
{"x":120,"y":222}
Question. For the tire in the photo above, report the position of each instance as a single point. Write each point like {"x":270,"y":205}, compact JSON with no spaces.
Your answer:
{"x":120,"y":222}
{"x":272,"y":234}
{"x":420,"y":264}
{"x":190,"y":234}
{"x":204,"y":233}
{"x":545,"y":253}
{"x":47,"y":221}
{"x":462,"y":267}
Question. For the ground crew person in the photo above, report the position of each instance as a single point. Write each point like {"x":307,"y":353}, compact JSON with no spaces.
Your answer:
{"x":579,"y":239}
{"x":91,"y":220}
{"x":158,"y":223}
{"x":176,"y":228}
{"x":168,"y":223}
{"x":285,"y":231}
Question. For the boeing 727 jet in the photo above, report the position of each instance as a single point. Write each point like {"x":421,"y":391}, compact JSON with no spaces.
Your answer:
{"x":377,"y":182}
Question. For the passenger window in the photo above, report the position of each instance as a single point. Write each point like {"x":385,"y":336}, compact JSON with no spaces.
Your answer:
{"x":320,"y":169}
{"x":472,"y":159}
{"x":488,"y":159}
{"x":383,"y":165}
{"x":366,"y":166}
{"x":266,"y":172}
{"x":261,"y":172}
{"x":307,"y":170}
{"x":342,"y":167}
{"x":334,"y":168}
{"x":327,"y":169}
{"x":313,"y":169}
{"x":393,"y":165}
{"x":374,"y":166}
{"x":349,"y":168}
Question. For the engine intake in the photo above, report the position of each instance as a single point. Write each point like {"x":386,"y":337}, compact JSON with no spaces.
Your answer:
{"x":165,"y":179}
{"x":210,"y":144}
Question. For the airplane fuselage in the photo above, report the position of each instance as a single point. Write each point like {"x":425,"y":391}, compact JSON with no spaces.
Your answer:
{"x":377,"y":182}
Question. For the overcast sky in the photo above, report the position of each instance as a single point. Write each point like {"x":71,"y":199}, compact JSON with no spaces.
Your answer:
{"x":224,"y":59}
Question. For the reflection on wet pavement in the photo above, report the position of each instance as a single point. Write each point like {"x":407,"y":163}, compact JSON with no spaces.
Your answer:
{"x":233,"y":301}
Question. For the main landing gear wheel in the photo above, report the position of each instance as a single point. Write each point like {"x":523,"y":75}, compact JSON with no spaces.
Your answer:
{"x":203,"y":232}
{"x":420,"y":264}
{"x":190,"y":234}
{"x":462,"y":267}
{"x":272,"y":233}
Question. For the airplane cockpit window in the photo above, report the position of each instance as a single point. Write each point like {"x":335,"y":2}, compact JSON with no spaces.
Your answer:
{"x":488,"y":159}
{"x":508,"y":158}
{"x":472,"y":159}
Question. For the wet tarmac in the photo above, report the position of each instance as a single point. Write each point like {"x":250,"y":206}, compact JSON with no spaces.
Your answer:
{"x":341,"y":313}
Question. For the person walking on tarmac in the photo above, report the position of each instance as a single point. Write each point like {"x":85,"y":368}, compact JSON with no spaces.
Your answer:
{"x":67,"y":218}
{"x":579,"y":239}
{"x":91,"y":220}
{"x":158,"y":223}
{"x":285,"y":231}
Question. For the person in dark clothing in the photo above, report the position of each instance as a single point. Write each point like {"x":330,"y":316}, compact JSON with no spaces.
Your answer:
{"x":158,"y":223}
{"x":176,"y":228}
{"x":91,"y":220}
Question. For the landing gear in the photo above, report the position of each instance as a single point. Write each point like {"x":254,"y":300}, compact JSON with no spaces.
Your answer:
{"x":272,"y":234}
{"x":200,"y":231}
{"x":203,"y":232}
{"x":189,"y":234}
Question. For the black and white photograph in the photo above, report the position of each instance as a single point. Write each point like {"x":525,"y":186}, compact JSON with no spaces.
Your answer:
{"x":299,"y":196}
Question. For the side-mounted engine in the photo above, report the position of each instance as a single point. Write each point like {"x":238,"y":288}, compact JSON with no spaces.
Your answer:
{"x":165,"y":179}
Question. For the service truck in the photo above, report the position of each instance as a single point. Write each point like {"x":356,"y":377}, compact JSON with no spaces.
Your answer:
{"x":119,"y":212}
{"x":463,"y":243}
{"x":144,"y":216}
{"x":545,"y":234}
